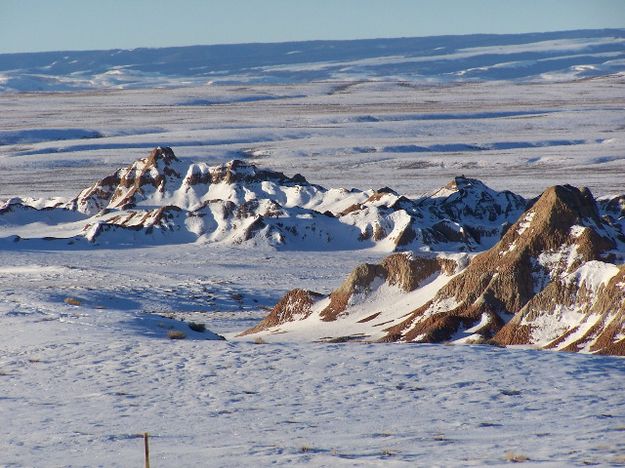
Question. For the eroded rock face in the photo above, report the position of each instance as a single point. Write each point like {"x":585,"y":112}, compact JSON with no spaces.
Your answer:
{"x":242,"y":172}
{"x":472,"y":198}
{"x":559,"y":233}
{"x":295,"y":305}
{"x":149,"y":176}
{"x":399,"y":273}
{"x":582,"y":311}
{"x":484,"y":212}
{"x":550,"y":282}
{"x":358,"y":281}
{"x":268,"y":207}
{"x":465,"y":215}
{"x":607,"y":334}
{"x":405,"y":271}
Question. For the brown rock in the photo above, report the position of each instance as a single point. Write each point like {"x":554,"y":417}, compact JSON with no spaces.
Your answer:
{"x":502,"y":280}
{"x":295,"y":305}
{"x":405,"y":271}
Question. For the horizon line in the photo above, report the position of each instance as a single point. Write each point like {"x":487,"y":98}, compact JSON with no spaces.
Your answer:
{"x":225,"y":44}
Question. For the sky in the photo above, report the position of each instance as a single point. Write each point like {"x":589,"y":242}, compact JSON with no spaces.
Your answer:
{"x":46,"y":25}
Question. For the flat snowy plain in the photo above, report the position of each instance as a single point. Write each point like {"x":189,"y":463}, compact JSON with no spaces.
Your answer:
{"x":78,"y":383}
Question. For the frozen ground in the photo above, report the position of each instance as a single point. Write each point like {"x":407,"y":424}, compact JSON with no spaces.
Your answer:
{"x":518,"y":136}
{"x":72,"y":395}
{"x":78,"y":382}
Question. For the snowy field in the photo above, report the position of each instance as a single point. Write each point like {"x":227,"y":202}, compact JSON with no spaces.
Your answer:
{"x":85,"y":362}
{"x":522,"y":137}
{"x":77,"y":395}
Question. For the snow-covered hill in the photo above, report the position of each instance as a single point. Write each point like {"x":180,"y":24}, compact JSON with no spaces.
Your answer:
{"x":545,"y":56}
{"x":554,"y":280}
{"x":160,"y":199}
{"x":547,"y":276}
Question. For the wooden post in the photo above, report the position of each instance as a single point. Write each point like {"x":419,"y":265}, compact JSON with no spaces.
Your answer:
{"x":146,"y":446}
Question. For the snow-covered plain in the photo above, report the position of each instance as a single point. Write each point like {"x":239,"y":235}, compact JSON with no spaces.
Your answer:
{"x":79,"y":382}
{"x":511,"y":135}
{"x":78,"y":396}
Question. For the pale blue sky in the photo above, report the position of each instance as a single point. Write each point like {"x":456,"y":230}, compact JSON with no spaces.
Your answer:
{"x":44,"y":25}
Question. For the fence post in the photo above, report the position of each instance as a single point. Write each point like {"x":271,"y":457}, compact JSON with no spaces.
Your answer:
{"x":146,"y":446}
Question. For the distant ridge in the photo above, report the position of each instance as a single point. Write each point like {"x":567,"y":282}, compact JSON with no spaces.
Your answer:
{"x":161,"y":199}
{"x":564,"y":54}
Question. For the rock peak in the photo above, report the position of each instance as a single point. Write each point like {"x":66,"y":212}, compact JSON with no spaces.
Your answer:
{"x":237,"y":171}
{"x":569,"y":203}
{"x":162,"y":153}
{"x":461,"y":182}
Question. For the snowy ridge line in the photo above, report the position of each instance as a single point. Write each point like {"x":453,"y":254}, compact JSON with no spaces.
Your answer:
{"x":563,"y":55}
{"x":163,"y":200}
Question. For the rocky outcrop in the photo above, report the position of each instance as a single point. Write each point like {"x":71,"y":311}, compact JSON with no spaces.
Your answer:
{"x":149,"y":176}
{"x":237,"y":202}
{"x":161,"y":225}
{"x":237,"y":171}
{"x":466,"y":215}
{"x":369,"y":287}
{"x":407,"y":272}
{"x":550,"y":282}
{"x":607,"y":333}
{"x":18,"y":211}
{"x":295,"y":305}
{"x":558,"y":234}
{"x":484,"y":213}
{"x":584,"y":311}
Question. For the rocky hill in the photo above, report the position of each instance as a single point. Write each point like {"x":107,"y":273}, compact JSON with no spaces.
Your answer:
{"x":470,"y":264}
{"x":552,"y":281}
{"x":161,"y":199}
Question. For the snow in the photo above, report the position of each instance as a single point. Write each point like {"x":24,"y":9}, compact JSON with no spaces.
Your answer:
{"x":563,"y":55}
{"x":82,"y":395}
{"x":79,"y":382}
{"x":525,"y":223}
{"x":583,"y":326}
{"x":309,"y":143}
{"x":484,"y":320}
{"x":560,"y":260}
{"x":442,"y":305}
{"x":593,"y":274}
{"x":549,"y":326}
{"x":38,"y":135}
{"x":577,"y":231}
